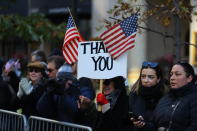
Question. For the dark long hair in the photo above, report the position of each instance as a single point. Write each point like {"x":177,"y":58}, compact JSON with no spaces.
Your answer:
{"x":136,"y":87}
{"x":119,"y":83}
{"x":189,"y":70}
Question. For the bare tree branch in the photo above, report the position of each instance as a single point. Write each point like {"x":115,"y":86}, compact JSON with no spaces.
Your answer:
{"x":151,"y":30}
{"x":157,"y":32}
{"x":187,"y":43}
{"x":161,"y":33}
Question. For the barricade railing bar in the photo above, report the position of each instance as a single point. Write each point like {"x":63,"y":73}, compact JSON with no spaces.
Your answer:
{"x":43,"y":124}
{"x":12,"y":121}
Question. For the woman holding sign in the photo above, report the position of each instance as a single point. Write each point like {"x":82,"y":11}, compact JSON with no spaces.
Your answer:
{"x":145,"y":95}
{"x":114,"y":106}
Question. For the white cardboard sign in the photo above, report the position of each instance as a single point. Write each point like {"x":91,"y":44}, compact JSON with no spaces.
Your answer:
{"x":95,"y":62}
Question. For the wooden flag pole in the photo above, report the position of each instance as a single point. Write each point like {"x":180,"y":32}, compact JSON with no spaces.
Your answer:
{"x":100,"y":85}
{"x":99,"y":107}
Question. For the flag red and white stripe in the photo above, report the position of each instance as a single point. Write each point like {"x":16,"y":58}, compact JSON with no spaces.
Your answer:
{"x":121,"y":37}
{"x":71,"y":40}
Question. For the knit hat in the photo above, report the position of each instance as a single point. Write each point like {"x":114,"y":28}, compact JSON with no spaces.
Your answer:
{"x":86,"y":88}
{"x":64,"y":72}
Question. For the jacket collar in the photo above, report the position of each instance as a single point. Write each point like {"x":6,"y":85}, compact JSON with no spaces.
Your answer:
{"x":182,"y":91}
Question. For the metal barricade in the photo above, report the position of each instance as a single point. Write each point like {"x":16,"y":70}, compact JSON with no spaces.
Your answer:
{"x":12,"y":121}
{"x":43,"y":124}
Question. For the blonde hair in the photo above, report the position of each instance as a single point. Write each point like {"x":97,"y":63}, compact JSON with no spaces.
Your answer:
{"x":136,"y":86}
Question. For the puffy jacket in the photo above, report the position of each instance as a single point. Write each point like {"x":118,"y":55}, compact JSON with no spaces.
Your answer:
{"x":62,"y":105}
{"x":177,"y":111}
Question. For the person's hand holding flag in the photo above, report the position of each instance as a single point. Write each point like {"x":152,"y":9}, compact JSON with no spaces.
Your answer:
{"x":103,"y":102}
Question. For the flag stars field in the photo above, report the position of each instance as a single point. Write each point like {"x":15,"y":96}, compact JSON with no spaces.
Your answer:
{"x":121,"y":37}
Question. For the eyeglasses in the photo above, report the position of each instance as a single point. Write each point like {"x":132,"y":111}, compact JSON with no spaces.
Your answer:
{"x":34,"y":70}
{"x":149,"y":64}
{"x":50,"y":70}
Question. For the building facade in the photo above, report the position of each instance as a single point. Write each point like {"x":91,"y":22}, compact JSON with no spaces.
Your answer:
{"x":193,"y":37}
{"x":151,"y":45}
{"x":57,"y":11}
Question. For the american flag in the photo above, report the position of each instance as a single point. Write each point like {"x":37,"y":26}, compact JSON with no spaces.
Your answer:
{"x":71,"y":39}
{"x":121,"y":37}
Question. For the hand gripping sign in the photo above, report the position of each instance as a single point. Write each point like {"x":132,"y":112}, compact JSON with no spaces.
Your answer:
{"x":95,"y":62}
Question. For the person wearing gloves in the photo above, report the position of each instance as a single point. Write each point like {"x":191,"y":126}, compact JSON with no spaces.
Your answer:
{"x":63,"y":99}
{"x":32,"y":87}
{"x":114,"y":106}
{"x":86,"y":105}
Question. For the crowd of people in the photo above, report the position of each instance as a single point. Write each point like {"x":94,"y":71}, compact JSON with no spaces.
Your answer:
{"x":49,"y":88}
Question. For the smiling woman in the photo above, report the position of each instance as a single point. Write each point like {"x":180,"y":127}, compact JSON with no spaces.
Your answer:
{"x":36,"y":71}
{"x":177,"y":110}
{"x":32,"y":87}
{"x":114,"y":103}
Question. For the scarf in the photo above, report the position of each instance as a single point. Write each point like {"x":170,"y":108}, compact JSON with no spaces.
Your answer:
{"x":151,"y":95}
{"x":112,"y":98}
{"x":178,"y":92}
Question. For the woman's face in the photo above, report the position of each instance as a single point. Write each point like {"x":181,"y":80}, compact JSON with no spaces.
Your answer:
{"x":149,"y":77}
{"x":178,"y":77}
{"x":108,"y":89}
{"x":34,"y":74}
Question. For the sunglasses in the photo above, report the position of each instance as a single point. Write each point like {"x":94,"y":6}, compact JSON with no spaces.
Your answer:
{"x":106,"y":82}
{"x":149,"y":64}
{"x":50,"y":70}
{"x":34,"y":70}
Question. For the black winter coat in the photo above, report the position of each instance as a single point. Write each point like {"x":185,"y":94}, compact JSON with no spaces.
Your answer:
{"x":143,"y":107}
{"x":7,"y":96}
{"x":61,"y":105}
{"x":14,"y":81}
{"x":28,"y":102}
{"x":177,"y":111}
{"x":114,"y":119}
